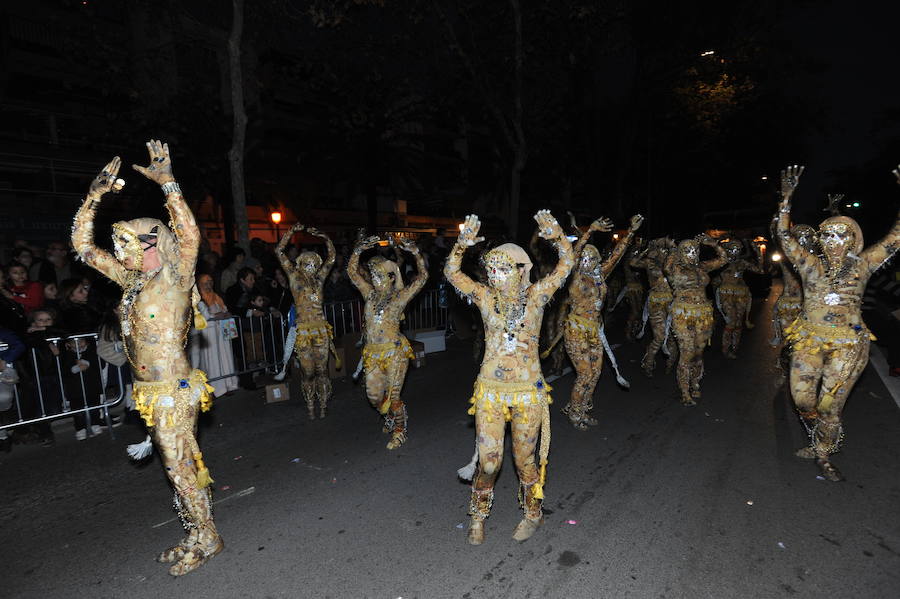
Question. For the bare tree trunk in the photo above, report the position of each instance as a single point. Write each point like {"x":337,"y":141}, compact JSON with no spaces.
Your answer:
{"x":236,"y":154}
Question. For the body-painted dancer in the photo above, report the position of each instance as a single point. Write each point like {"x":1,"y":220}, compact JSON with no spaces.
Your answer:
{"x":154,"y":265}
{"x":510,"y":386}
{"x":790,"y":300}
{"x":634,"y":294}
{"x":830,"y":341}
{"x":692,"y":312}
{"x":585,"y":339}
{"x":733,"y":295}
{"x":554,"y":318}
{"x":386,"y":352}
{"x":658,"y":304}
{"x":312,"y":337}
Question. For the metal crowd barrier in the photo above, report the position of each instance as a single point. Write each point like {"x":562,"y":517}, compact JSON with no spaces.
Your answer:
{"x":255,"y":344}
{"x":43,"y":396}
{"x":423,"y":312}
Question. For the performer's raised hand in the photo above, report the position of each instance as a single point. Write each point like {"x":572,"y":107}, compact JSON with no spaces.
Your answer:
{"x":314,"y":232}
{"x":367,"y":243}
{"x":603,"y":225}
{"x":705,"y":239}
{"x":548,"y":227}
{"x":410,"y":246}
{"x":790,"y":179}
{"x":160,"y":168}
{"x":469,"y":234}
{"x":636,"y":221}
{"x":297,"y":228}
{"x":106,"y":181}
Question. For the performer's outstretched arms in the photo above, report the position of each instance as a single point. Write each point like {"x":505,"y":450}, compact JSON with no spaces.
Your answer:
{"x":721,"y":258}
{"x":182,"y":219}
{"x":601,"y":225}
{"x":83,"y":227}
{"x":550,"y":230}
{"x":467,"y":238}
{"x":610,"y":263}
{"x":799,"y":257}
{"x":283,"y":260}
{"x":881,"y":251}
{"x":415,"y":287}
{"x":353,"y":264}
{"x":330,"y":254}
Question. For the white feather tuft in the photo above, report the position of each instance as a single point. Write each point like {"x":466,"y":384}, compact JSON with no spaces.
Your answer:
{"x":467,"y":472}
{"x":139,"y":451}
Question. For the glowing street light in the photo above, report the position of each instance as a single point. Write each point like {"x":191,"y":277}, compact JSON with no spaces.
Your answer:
{"x":276,"y":217}
{"x":764,"y":178}
{"x":708,"y":53}
{"x":776,"y":257}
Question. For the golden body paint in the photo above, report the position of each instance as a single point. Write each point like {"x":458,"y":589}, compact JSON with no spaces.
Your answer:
{"x":510,"y":386}
{"x":314,"y":337}
{"x":386,"y":352}
{"x":154,"y":265}
{"x":830,"y":341}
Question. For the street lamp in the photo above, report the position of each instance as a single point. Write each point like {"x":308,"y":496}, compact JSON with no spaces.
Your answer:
{"x":276,"y":218}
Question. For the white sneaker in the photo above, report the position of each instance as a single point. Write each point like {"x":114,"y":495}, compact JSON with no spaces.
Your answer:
{"x":95,"y":429}
{"x":80,"y":434}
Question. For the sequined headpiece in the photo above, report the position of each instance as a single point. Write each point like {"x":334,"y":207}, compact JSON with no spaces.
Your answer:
{"x":385,"y":267}
{"x":842,"y":227}
{"x":129,"y":235}
{"x":511,"y":256}
{"x":688,"y":245}
{"x":309,"y":262}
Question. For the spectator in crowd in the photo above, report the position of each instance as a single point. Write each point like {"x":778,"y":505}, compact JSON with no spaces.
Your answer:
{"x":24,"y":256}
{"x":80,"y":368}
{"x":337,"y":286}
{"x":40,"y":376}
{"x":234,"y":262}
{"x":111,"y":350}
{"x":280,"y":297}
{"x":56,"y":266}
{"x":51,"y":297}
{"x":210,"y":348}
{"x":28,"y":293}
{"x":11,"y":348}
{"x":76,"y":314}
{"x":12,"y":313}
{"x":237,"y":296}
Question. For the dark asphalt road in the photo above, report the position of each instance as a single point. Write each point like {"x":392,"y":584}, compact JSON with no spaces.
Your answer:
{"x":654,"y":502}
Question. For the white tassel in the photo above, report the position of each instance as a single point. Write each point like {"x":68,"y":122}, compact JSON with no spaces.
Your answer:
{"x":467,"y":472}
{"x":612,"y":359}
{"x":645,"y":317}
{"x":288,"y":350}
{"x":139,"y":451}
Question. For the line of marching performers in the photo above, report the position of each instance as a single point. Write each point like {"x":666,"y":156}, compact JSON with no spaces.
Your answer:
{"x":818,"y":314}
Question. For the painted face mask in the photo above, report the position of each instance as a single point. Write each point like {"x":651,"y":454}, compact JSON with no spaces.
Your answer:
{"x":385,"y":274}
{"x":589,"y":263}
{"x":507,"y":267}
{"x":130,"y":238}
{"x":733,"y":250}
{"x":309,"y":263}
{"x":805,"y":236}
{"x":689,"y":251}
{"x":840,"y":236}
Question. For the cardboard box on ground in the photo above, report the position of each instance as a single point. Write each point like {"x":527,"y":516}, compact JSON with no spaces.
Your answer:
{"x":433,"y":340}
{"x":277,"y":392}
